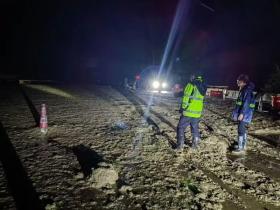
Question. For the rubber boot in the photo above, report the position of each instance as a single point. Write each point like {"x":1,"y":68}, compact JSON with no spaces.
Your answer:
{"x":244,"y":144}
{"x":180,"y":143}
{"x":179,"y":147}
{"x":195,"y":142}
{"x":240,"y":144}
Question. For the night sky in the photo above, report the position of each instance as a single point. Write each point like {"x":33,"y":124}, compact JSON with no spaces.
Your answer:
{"x":105,"y":41}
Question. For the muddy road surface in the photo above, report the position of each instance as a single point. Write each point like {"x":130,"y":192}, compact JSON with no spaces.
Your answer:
{"x":110,"y":148}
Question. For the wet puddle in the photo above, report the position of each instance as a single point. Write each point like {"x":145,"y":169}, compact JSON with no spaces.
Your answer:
{"x":259,"y":162}
{"x":268,"y":135}
{"x":230,"y":205}
{"x":272,"y":139}
{"x":243,"y":200}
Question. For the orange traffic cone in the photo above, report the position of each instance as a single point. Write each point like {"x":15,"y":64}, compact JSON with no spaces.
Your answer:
{"x":43,"y":119}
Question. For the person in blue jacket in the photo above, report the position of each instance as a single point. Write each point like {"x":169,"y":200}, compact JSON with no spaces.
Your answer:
{"x":244,"y":108}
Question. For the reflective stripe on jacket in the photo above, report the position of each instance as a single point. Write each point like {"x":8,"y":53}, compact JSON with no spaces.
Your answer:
{"x":192,"y":102}
{"x":251,"y":105}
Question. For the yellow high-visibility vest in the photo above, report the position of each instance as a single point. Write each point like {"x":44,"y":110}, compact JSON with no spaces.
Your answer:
{"x":192,"y":102}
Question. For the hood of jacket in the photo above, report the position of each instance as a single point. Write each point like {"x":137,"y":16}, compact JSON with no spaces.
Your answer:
{"x":200,"y":86}
{"x":249,"y":87}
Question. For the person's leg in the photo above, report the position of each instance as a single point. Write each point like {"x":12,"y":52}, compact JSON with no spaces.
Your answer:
{"x":245,"y":136}
{"x":195,"y":131}
{"x":183,"y":123}
{"x":241,"y":134}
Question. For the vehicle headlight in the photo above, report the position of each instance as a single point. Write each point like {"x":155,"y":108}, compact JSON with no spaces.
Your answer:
{"x":156,"y":84}
{"x":164,"y":85}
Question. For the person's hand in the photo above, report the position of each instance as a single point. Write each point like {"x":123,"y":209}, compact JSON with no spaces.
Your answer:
{"x":240,"y":117}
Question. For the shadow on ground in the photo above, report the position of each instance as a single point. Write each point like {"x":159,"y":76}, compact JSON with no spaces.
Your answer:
{"x":31,"y":106}
{"x":20,"y":186}
{"x":87,"y":158}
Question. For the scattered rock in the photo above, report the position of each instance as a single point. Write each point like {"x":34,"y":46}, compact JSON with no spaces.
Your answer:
{"x":103,"y":177}
{"x":125,"y":189}
{"x":79,"y":176}
{"x":120,"y":125}
{"x":105,"y":165}
{"x":51,"y":207}
{"x":202,"y":196}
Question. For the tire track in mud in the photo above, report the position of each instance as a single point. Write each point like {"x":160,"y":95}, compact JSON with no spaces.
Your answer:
{"x":19,"y":182}
{"x":157,"y":129}
{"x":216,"y":172}
{"x":250,"y":160}
{"x":240,"y":204}
{"x":90,"y":194}
{"x":30,"y":169}
{"x":250,"y":200}
{"x":266,"y":159}
{"x":222,"y":116}
{"x":255,"y":159}
{"x":136,"y":101}
{"x":105,"y":98}
{"x":219,"y":116}
{"x":151,"y":121}
{"x":139,"y":104}
{"x":154,"y":124}
{"x":242,"y":198}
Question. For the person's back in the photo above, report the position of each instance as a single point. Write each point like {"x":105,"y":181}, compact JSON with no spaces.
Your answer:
{"x":192,"y":103}
{"x":191,"y":109}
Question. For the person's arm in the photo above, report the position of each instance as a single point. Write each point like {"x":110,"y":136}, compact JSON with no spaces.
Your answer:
{"x":246,"y":99}
{"x":187,"y":93}
{"x":245,"y":102}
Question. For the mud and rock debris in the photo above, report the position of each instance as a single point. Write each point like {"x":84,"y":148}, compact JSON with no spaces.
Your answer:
{"x":98,"y":125}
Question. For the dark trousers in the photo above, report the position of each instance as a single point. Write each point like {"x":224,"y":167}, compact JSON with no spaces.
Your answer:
{"x":242,"y":130}
{"x":184,"y":122}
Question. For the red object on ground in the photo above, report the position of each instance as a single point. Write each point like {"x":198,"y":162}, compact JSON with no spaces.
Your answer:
{"x":43,"y":119}
{"x":276,"y":102}
{"x":137,"y":77}
{"x":216,"y":93}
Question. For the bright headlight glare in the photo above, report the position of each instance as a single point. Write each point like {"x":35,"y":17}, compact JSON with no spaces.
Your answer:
{"x":156,"y":84}
{"x":164,"y":84}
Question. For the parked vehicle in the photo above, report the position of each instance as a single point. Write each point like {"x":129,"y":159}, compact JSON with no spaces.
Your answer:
{"x":151,"y":79}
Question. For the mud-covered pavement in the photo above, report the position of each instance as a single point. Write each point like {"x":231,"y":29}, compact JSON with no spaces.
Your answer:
{"x":100,"y":128}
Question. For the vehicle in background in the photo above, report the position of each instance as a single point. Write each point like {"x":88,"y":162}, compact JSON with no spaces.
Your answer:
{"x":275,"y":103}
{"x":268,"y":102}
{"x":219,"y":91}
{"x":149,"y":79}
{"x":157,"y":84}
{"x":265,"y":102}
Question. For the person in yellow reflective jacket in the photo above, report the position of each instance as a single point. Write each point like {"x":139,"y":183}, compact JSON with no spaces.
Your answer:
{"x":191,"y":111}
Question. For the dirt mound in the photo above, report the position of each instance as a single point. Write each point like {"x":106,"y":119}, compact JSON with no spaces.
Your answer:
{"x":103,"y":177}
